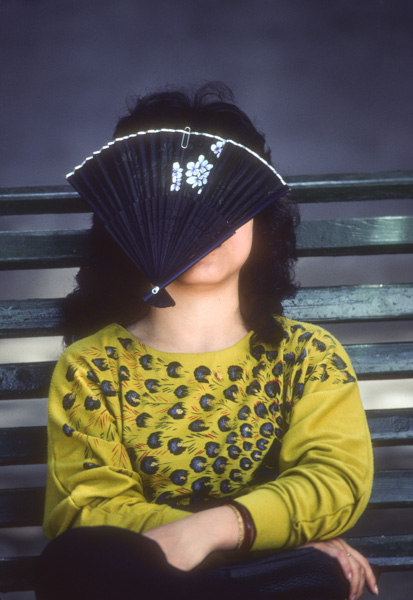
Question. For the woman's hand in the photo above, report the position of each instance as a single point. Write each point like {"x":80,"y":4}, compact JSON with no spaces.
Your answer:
{"x":355,"y":567}
{"x":186,"y":543}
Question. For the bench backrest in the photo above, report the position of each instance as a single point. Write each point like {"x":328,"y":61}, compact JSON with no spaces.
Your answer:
{"x":327,"y":305}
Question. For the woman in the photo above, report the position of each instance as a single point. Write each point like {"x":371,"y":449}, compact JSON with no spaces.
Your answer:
{"x":213,"y":447}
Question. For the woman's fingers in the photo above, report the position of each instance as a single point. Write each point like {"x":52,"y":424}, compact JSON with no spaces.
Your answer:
{"x":358,"y":579}
{"x":369,"y":576}
{"x":343,"y":558}
{"x":355,"y":567}
{"x":351,"y":568}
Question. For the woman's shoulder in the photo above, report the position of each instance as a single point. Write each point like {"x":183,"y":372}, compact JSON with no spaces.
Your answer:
{"x":293,"y":326}
{"x":310,"y":335}
{"x":312,"y":345}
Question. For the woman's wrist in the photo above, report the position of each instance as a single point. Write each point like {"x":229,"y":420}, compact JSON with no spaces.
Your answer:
{"x":224,"y":527}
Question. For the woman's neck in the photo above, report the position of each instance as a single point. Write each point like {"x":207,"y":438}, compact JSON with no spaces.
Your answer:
{"x":201,"y":321}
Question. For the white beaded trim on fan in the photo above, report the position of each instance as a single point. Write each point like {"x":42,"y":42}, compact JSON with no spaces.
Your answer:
{"x":218,"y":145}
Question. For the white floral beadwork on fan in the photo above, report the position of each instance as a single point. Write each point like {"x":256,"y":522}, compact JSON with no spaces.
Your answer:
{"x":176,"y":177}
{"x":197,"y":172}
{"x":217,"y":147}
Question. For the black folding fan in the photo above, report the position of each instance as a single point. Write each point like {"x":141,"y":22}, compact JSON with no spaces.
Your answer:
{"x":170,"y":196}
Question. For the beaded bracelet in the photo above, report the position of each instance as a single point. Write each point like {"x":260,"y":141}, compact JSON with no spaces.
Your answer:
{"x":246,"y":526}
{"x":241,"y":528}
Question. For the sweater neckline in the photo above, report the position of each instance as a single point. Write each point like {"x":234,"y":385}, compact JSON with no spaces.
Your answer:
{"x":242,"y":345}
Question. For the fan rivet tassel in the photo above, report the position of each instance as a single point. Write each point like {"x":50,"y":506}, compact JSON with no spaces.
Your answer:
{"x":155,"y":290}
{"x":185,"y":137}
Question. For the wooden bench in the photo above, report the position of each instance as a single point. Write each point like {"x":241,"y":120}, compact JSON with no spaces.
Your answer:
{"x":393,"y":488}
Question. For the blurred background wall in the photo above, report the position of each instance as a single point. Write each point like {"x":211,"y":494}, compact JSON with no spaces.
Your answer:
{"x":329,"y":83}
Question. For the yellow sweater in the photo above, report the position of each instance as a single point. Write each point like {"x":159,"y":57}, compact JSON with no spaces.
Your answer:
{"x":138,"y":437}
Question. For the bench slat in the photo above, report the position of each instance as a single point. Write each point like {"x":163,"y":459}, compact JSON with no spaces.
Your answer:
{"x":24,"y":507}
{"x":390,"y":552}
{"x":43,"y":249}
{"x":382,"y":361}
{"x":391,"y":427}
{"x":351,"y":187}
{"x":363,"y":303}
{"x":338,"y":237}
{"x":25,"y":380}
{"x":28,"y":445}
{"x":17,"y":574}
{"x":361,"y":236}
{"x":53,"y":199}
{"x":20,"y":318}
{"x":370,"y":361}
{"x":31,"y":317}
{"x":306,"y":188}
{"x":23,"y":445}
{"x":392,"y":489}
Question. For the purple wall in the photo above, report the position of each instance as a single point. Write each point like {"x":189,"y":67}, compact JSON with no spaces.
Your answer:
{"x":329,"y":82}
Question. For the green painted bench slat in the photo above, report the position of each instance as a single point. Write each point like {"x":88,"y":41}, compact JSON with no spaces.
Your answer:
{"x":370,"y":361}
{"x":338,"y":237}
{"x":30,"y":317}
{"x":319,"y":305}
{"x":391,"y":427}
{"x":25,"y":380}
{"x":43,"y":249}
{"x":392,"y":489}
{"x":63,"y":248}
{"x":382,"y":361}
{"x":361,"y":236}
{"x":306,"y":188}
{"x":22,"y":507}
{"x":51,"y":199}
{"x":352,"y":187}
{"x":362,"y":303}
{"x":390,"y":552}
{"x":23,"y":445}
{"x":28,"y":445}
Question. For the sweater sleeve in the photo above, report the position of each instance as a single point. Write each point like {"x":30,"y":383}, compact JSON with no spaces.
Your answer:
{"x":90,"y":478}
{"x":326,"y":464}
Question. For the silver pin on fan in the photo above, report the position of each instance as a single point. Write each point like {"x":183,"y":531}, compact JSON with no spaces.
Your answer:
{"x":185,"y":137}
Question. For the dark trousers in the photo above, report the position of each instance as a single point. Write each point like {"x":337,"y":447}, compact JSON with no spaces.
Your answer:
{"x":99,"y":563}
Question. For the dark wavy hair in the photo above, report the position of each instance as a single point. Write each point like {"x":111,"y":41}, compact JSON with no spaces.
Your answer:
{"x":110,"y":286}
